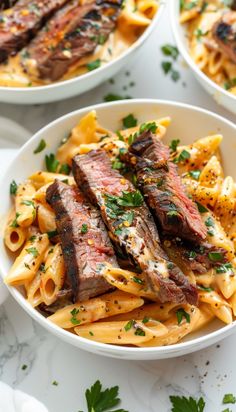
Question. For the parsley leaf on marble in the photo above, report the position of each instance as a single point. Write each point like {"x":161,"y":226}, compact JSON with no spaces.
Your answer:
{"x":100,"y":401}
{"x":229,"y":398}
{"x":183,"y":404}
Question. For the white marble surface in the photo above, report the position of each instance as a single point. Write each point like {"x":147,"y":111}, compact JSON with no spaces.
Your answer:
{"x":144,"y":386}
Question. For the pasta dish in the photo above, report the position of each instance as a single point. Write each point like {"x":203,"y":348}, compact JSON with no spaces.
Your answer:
{"x":54,"y":40}
{"x":125,"y":239}
{"x":211,"y":34}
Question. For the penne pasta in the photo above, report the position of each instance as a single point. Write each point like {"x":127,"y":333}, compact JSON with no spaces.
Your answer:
{"x":40,"y":179}
{"x":29,"y":260}
{"x":25,"y":206}
{"x":34,"y":296}
{"x":94,"y":309}
{"x":52,"y":275}
{"x":14,"y":235}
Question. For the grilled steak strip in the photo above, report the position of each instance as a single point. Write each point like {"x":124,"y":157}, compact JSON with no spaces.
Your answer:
{"x":6,"y":4}
{"x":195,"y":257}
{"x":224,"y":33}
{"x":131,"y":225}
{"x":74,"y":32}
{"x":20,"y":25}
{"x":161,"y":185}
{"x":85,"y":242}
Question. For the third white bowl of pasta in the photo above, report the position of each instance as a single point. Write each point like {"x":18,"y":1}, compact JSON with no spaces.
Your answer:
{"x":177,"y":329}
{"x":192,"y":31}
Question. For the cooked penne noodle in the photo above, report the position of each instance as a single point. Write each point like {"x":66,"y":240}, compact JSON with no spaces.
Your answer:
{"x":46,"y":218}
{"x":94,"y":309}
{"x":53,"y":275}
{"x":34,"y":296}
{"x":29,"y":260}
{"x":25,"y":206}
{"x":14,"y":235}
{"x":133,"y":332}
{"x":212,"y":174}
{"x":40,"y":179}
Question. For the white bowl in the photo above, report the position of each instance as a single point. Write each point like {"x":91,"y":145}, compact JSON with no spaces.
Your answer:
{"x":189,"y":123}
{"x":222,"y":96}
{"x":80,"y":84}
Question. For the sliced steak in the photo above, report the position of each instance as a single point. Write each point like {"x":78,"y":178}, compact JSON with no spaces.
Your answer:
{"x":224,"y":33}
{"x":161,"y":185}
{"x":84,"y":239}
{"x":131,"y":225}
{"x":20,"y":25}
{"x":198,"y":258}
{"x":74,"y":32}
{"x":6,"y":4}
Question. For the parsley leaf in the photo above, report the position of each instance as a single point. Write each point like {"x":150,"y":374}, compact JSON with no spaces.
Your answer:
{"x":65,"y":169}
{"x":169,"y":50}
{"x":201,"y":208}
{"x":195,"y":174}
{"x":41,"y":146}
{"x":84,"y":228}
{"x":51,"y":163}
{"x":206,"y":289}
{"x":130,"y":199}
{"x":184,"y":155}
{"x":33,"y":251}
{"x":146,"y":127}
{"x":112,"y":97}
{"x":93,"y":65}
{"x":136,"y":279}
{"x":224,"y":268}
{"x":183,"y":404}
{"x":52,"y":233}
{"x":99,"y":400}
{"x":229,"y":398}
{"x":14,"y":222}
{"x":74,"y":319}
{"x":173,"y":144}
{"x":215,"y":256}
{"x":13,"y":187}
{"x":166,"y":67}
{"x":181,"y":313}
{"x":129,"y":121}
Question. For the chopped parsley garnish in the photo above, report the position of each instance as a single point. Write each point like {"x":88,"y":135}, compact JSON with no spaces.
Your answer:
{"x":101,"y":39}
{"x":137,"y":280}
{"x":166,"y":67}
{"x":206,"y":289}
{"x":93,"y":65}
{"x":27,"y":266}
{"x":91,"y":333}
{"x":118,"y":165}
{"x":199,"y":34}
{"x":14,"y":222}
{"x":130,"y":199}
{"x":169,"y":50}
{"x":191,"y":254}
{"x":74,"y":319}
{"x":32,"y":238}
{"x":52,"y":233}
{"x":129,"y":325}
{"x":33,"y":251}
{"x":24,"y":367}
{"x":184,"y":155}
{"x":84,"y":228}
{"x":101,"y":401}
{"x":224,"y":268}
{"x":209,"y":222}
{"x":55,"y":383}
{"x":201,"y":208}
{"x":13,"y":187}
{"x":181,"y":313}
{"x":210,"y":232}
{"x":230,"y":83}
{"x":41,"y":146}
{"x":65,"y":169}
{"x":183,"y":404}
{"x":175,"y":75}
{"x":145,"y":319}
{"x":28,"y":203}
{"x":112,"y":97}
{"x":146,"y":127}
{"x":195,"y":174}
{"x":215,"y":256}
{"x":139,"y":332}
{"x":229,"y":398}
{"x":51,"y":163}
{"x":174,"y":144}
{"x":129,"y":121}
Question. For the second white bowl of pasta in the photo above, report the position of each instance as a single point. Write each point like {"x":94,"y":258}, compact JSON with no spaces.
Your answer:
{"x":118,"y":312}
{"x":77,"y":68}
{"x":193,"y":24}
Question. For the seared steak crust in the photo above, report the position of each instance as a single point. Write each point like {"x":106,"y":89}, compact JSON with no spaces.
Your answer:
{"x":161,"y":185}
{"x":131,"y":226}
{"x":85,"y":243}
{"x":74,"y":32}
{"x":20,"y":25}
{"x":224,"y":33}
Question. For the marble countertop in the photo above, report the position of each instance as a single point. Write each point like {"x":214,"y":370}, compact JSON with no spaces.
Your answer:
{"x":31,"y":359}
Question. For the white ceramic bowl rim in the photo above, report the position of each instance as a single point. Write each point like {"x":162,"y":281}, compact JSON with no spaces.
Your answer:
{"x":122,"y":56}
{"x":86,"y":343}
{"x":175,"y":24}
